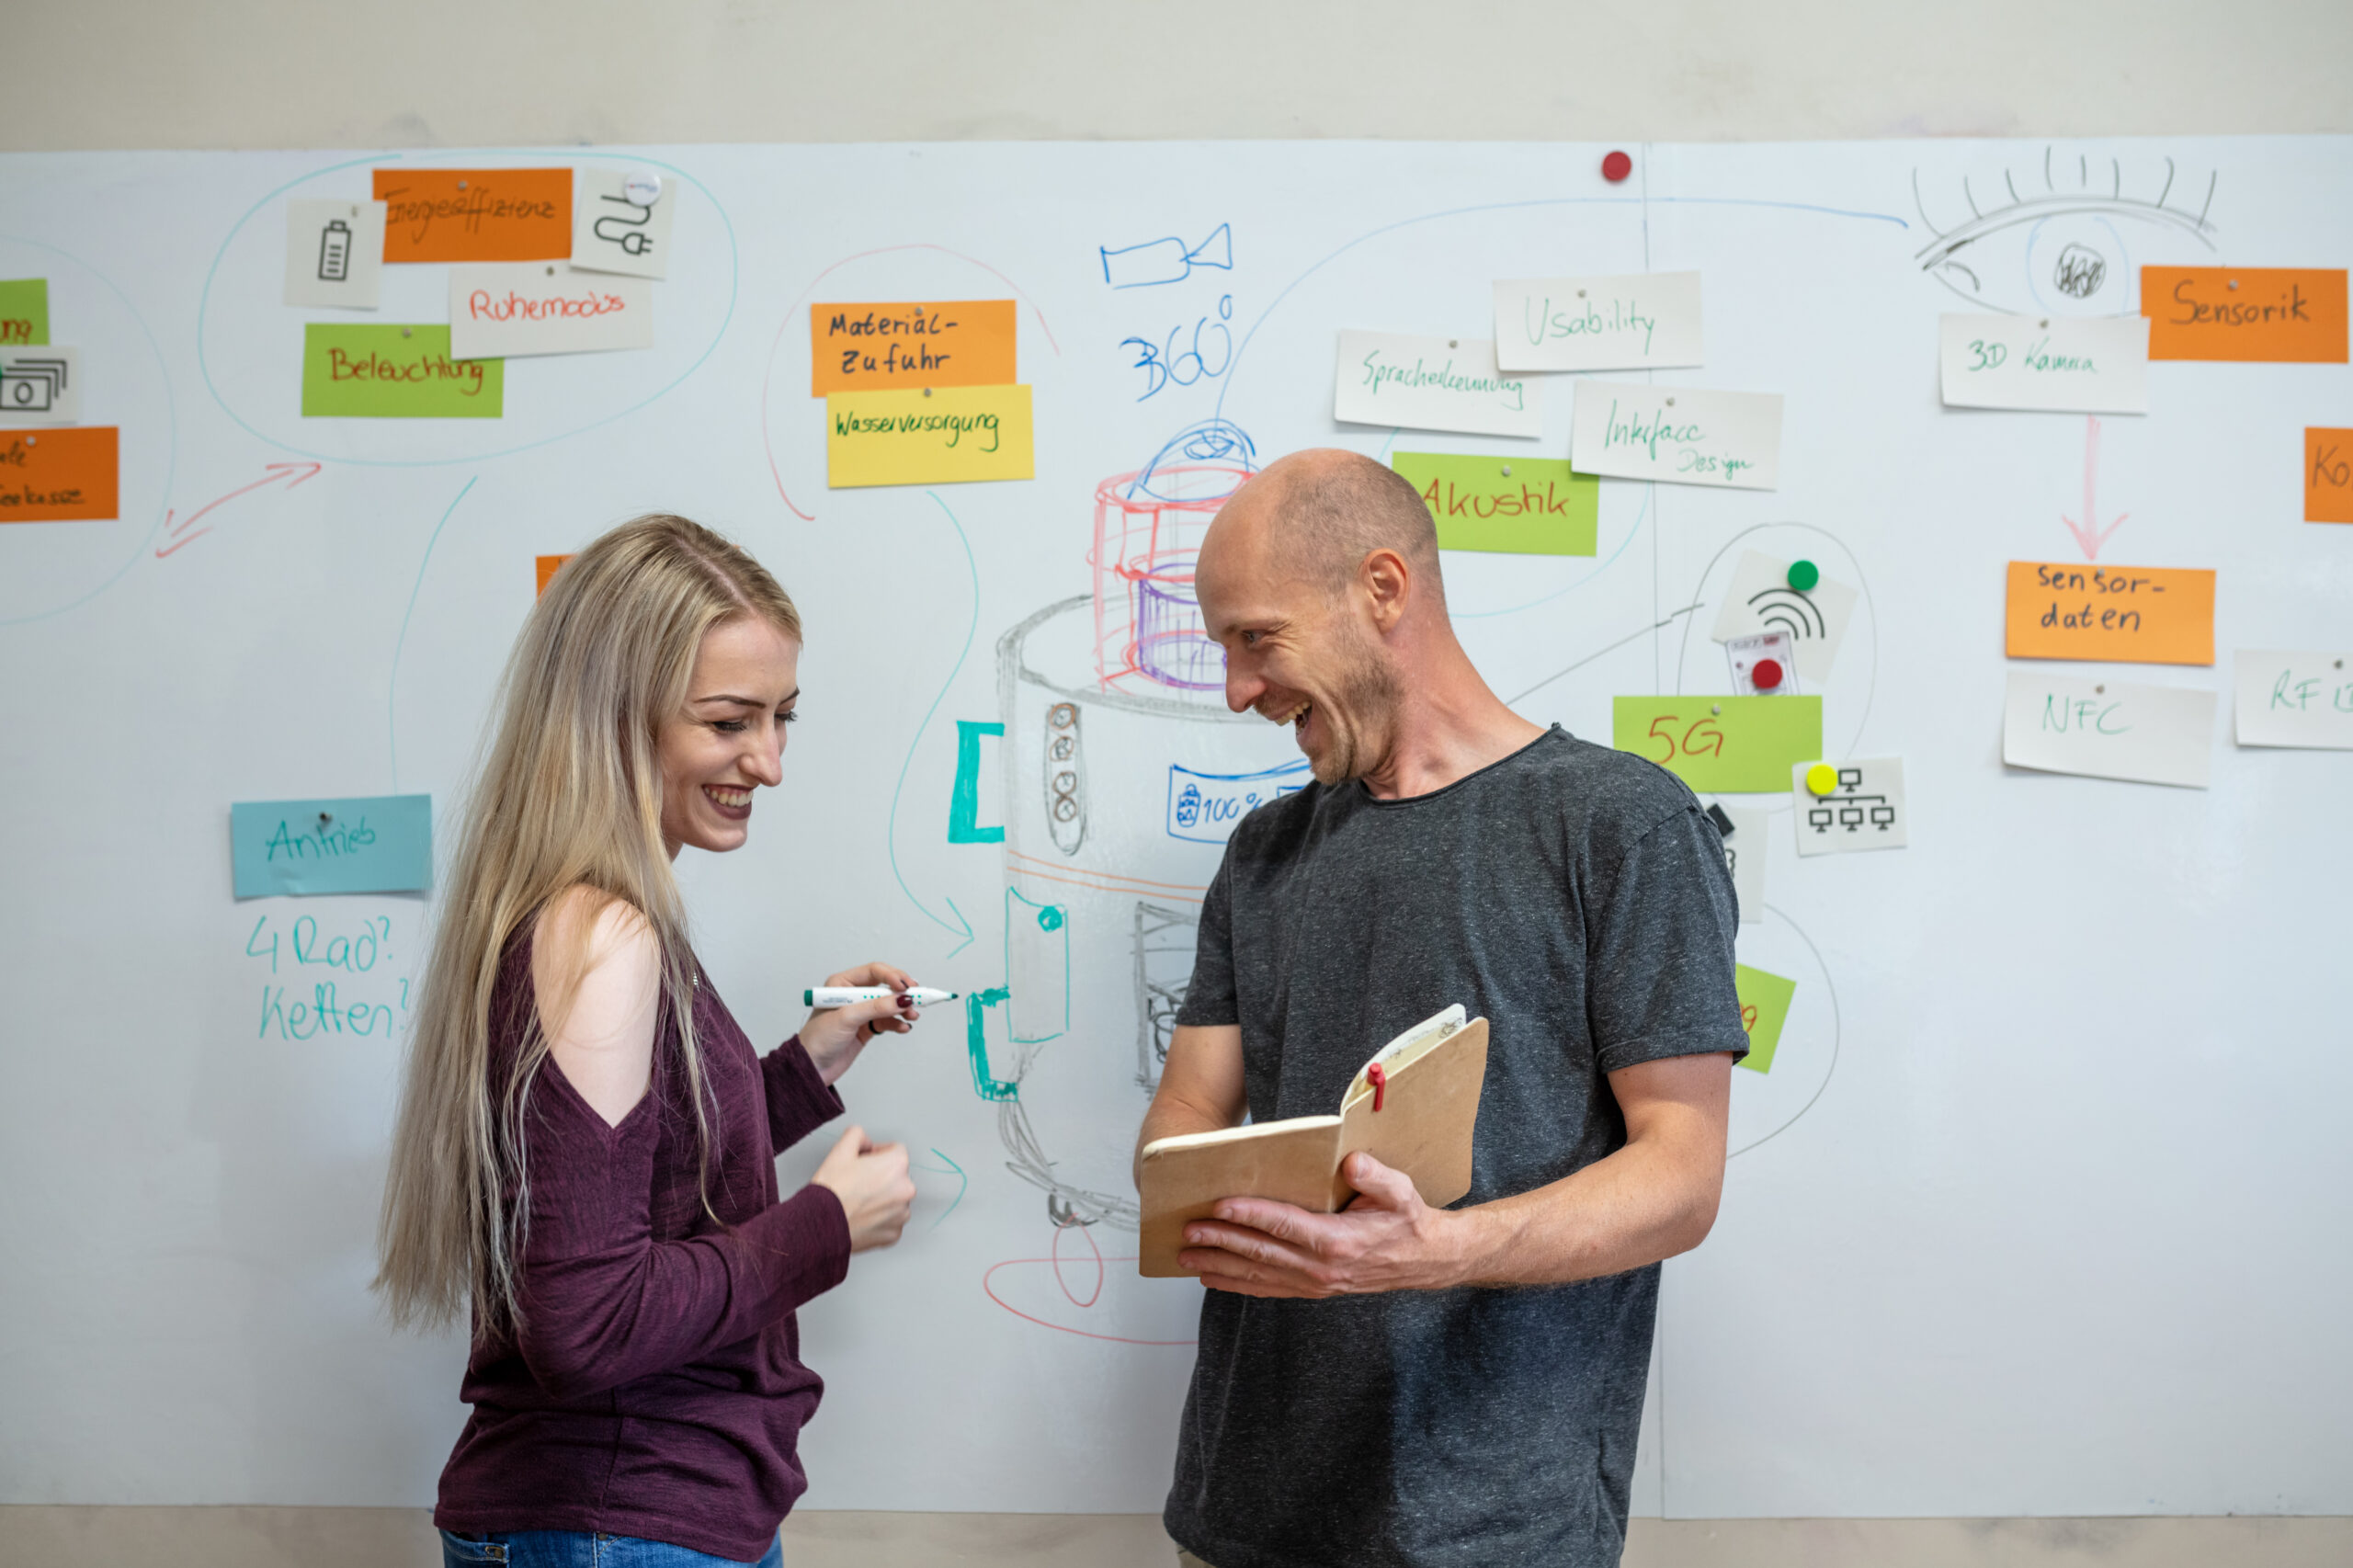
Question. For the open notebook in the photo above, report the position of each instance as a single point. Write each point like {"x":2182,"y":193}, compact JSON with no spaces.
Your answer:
{"x":1413,"y":1108}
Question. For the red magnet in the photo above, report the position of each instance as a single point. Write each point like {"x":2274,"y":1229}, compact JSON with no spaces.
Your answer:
{"x":1379,"y":1079}
{"x":1615,"y":167}
{"x":1767,"y":674}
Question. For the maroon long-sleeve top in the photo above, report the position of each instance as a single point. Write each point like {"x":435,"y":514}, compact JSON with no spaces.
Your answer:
{"x":655,"y":1387}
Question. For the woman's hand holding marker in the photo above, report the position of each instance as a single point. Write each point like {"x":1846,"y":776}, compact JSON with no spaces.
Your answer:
{"x":854,"y":1007}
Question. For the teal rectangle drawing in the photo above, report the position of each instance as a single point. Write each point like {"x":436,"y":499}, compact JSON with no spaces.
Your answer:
{"x":364,"y":844}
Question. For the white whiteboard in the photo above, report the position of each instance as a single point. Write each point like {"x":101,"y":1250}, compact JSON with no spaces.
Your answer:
{"x":2040,"y":1210}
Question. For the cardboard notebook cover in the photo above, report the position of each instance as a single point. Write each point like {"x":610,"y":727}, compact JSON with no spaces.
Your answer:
{"x":1429,"y":1108}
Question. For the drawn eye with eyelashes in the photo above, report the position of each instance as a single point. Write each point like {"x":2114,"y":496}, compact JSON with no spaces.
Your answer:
{"x":2054,"y":239}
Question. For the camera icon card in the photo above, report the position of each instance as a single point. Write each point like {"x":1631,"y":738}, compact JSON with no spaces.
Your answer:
{"x":335,"y":253}
{"x":41,"y":386}
{"x":1843,"y":806}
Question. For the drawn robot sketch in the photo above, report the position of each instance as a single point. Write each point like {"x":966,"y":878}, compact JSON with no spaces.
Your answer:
{"x":1114,"y":725}
{"x":2058,"y":237}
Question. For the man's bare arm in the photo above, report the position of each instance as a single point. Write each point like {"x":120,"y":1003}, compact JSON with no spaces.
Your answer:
{"x":1200,"y":1086}
{"x":1652,"y":1199}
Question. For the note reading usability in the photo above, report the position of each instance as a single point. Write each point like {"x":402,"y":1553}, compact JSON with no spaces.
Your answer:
{"x":1638,"y":321}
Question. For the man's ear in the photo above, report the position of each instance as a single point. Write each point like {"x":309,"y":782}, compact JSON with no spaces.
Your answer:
{"x":1387,"y":582}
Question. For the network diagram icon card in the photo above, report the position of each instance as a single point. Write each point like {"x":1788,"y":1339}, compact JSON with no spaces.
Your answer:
{"x":1843,"y":806}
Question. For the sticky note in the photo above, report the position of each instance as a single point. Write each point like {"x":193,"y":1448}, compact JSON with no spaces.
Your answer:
{"x":2244,"y":312}
{"x":2140,"y":615}
{"x":1432,"y":383}
{"x":904,"y":437}
{"x":1746,"y":857}
{"x":1520,"y":506}
{"x":335,"y":253}
{"x":475,"y":214}
{"x":1863,"y":808}
{"x":2294,"y":699}
{"x":1677,"y":434}
{"x":546,"y":566}
{"x":2154,"y":735}
{"x":57,"y":475}
{"x":1763,"y":1008}
{"x":2328,"y":475}
{"x":1633,"y":322}
{"x":939,"y":343}
{"x":2072,"y":364}
{"x":394,"y":372}
{"x":513,"y":309}
{"x":366,"y":844}
{"x":611,"y":233}
{"x":1760,"y":600}
{"x":24,"y":311}
{"x":41,"y":386}
{"x":1740,"y":743}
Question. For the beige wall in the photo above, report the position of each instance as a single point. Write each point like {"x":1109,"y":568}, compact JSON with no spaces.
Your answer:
{"x":299,"y":73}
{"x":146,"y":73}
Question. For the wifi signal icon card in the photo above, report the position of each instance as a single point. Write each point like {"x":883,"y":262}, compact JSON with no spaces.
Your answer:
{"x":1761,"y":600}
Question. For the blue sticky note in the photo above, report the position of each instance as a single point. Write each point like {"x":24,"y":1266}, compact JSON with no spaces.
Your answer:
{"x":369,"y":844}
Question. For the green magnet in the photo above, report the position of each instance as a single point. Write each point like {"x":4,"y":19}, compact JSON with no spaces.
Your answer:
{"x":1803,"y":575}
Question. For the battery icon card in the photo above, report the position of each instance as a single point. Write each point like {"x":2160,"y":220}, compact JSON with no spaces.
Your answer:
{"x":41,"y":386}
{"x":335,"y":253}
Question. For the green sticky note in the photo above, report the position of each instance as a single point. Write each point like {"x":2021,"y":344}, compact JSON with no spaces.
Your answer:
{"x":24,"y":311}
{"x":394,"y":372}
{"x":1763,"y":1008}
{"x":1522,"y":505}
{"x":1728,"y":744}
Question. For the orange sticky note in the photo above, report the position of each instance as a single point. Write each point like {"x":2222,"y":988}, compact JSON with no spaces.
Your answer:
{"x":2328,"y":475}
{"x":2244,"y":312}
{"x":939,"y":343}
{"x":2141,"y":615}
{"x":547,"y":564}
{"x":477,"y":214}
{"x":61,"y":474}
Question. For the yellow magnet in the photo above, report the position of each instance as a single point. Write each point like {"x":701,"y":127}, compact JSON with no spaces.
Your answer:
{"x":1822,"y":778}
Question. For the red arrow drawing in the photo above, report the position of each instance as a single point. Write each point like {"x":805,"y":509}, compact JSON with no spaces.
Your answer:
{"x":2088,"y":533}
{"x":293,"y":473}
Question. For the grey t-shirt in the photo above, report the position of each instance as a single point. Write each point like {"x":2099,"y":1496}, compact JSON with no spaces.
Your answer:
{"x":1577,"y":899}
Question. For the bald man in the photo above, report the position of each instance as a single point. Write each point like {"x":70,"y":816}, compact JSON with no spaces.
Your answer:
{"x":1396,"y":1385}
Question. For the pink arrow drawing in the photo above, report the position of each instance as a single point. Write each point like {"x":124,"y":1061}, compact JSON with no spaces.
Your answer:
{"x":2088,"y":533}
{"x":293,"y":473}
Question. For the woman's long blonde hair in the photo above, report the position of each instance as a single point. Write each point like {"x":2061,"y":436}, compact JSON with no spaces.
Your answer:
{"x":568,"y":793}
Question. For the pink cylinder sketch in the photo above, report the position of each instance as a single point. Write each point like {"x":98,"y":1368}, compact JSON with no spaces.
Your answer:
{"x":1148,"y":531}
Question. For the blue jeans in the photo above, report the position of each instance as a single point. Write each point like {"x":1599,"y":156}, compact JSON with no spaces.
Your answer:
{"x":577,"y":1549}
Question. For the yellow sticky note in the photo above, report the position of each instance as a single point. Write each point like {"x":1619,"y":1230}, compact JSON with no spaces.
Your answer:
{"x":945,"y":435}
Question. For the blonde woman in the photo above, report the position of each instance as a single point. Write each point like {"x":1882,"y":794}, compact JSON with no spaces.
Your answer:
{"x":584,"y":1155}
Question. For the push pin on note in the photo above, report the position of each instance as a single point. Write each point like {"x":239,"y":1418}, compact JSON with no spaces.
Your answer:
{"x":325,"y":818}
{"x":1616,"y":167}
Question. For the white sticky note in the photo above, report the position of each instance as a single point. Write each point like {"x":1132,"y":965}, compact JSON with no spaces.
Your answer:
{"x":1432,"y":383}
{"x":1745,"y":653}
{"x":1632,"y":321}
{"x":335,"y":253}
{"x":1677,"y":434}
{"x":2294,"y":699}
{"x":1761,"y":600}
{"x":41,"y":386}
{"x":2072,"y":364}
{"x":502,"y":309}
{"x":612,"y":233}
{"x":2151,"y":735}
{"x":1744,"y":856}
{"x":1864,"y":810}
